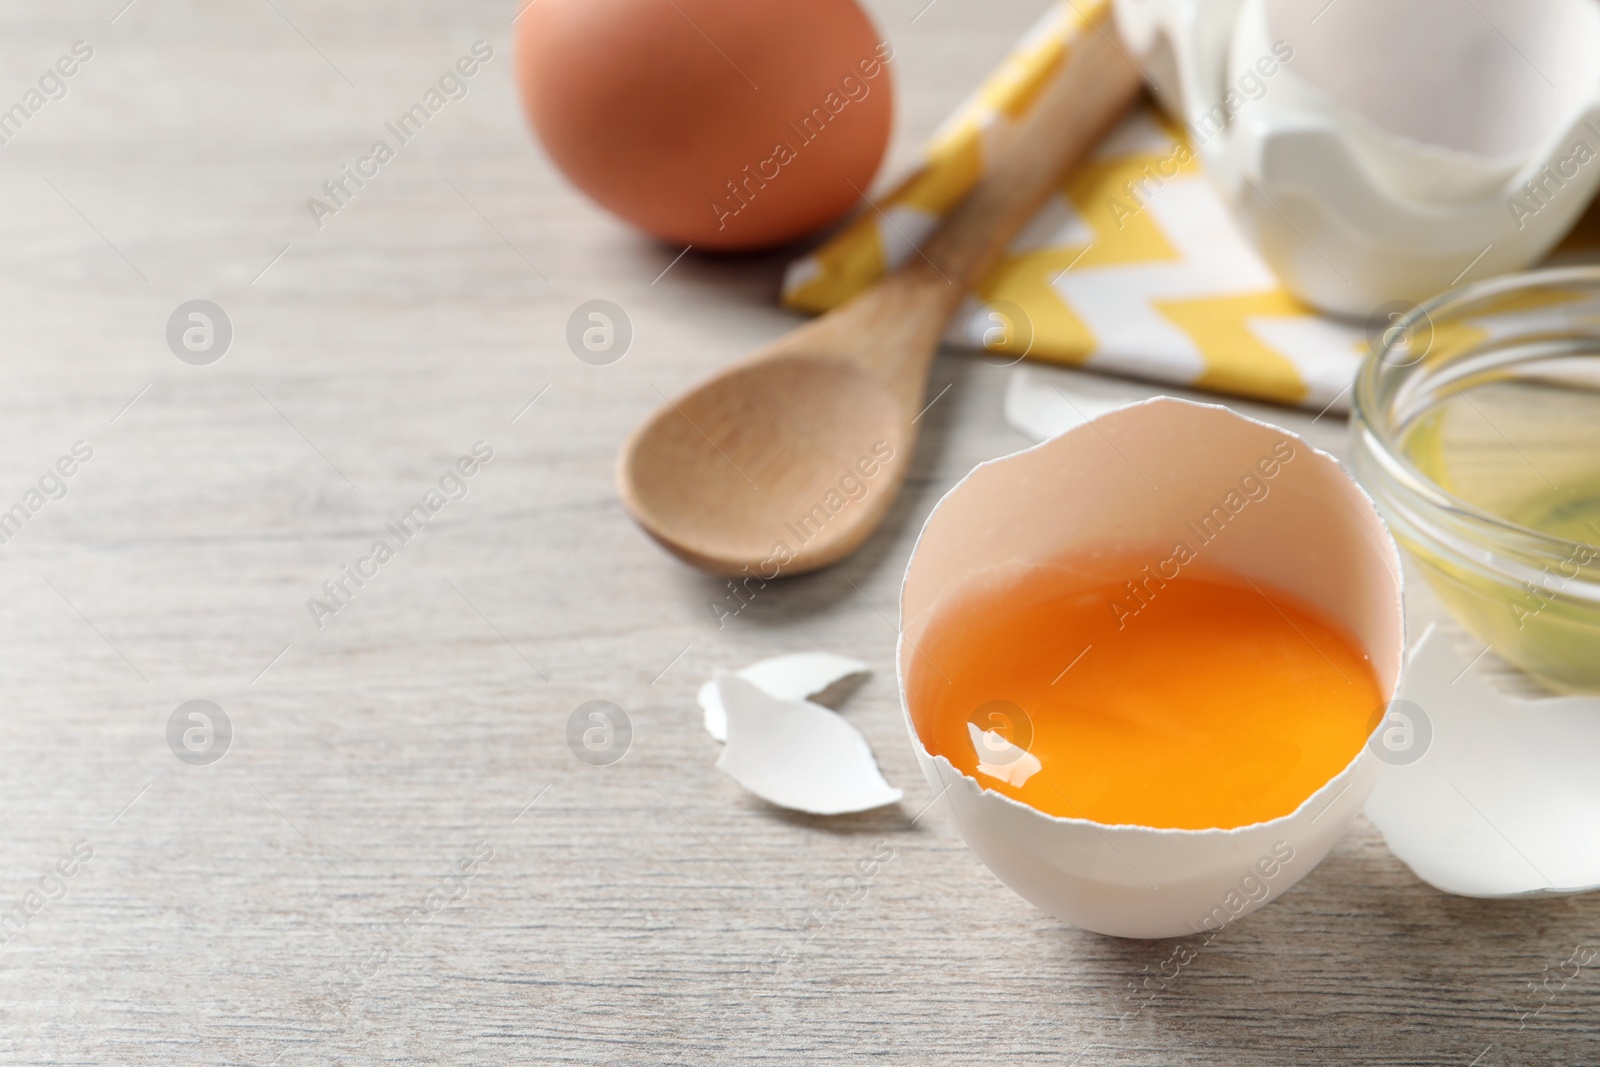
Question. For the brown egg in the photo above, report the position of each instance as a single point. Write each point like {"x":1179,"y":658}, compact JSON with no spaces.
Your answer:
{"x":726,"y":124}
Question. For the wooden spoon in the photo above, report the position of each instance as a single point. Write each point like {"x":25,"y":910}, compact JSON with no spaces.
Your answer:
{"x":789,"y":459}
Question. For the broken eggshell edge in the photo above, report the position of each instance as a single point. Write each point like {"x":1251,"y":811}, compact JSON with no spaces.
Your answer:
{"x":1502,"y":800}
{"x":1138,"y":881}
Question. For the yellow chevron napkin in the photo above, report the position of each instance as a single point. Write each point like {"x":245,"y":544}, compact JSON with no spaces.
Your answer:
{"x":1134,"y":266}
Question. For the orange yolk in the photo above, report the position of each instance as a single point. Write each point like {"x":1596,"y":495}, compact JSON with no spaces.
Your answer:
{"x":1206,"y":702}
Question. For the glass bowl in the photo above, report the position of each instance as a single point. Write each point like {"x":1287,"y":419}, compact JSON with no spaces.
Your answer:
{"x":1476,"y":428}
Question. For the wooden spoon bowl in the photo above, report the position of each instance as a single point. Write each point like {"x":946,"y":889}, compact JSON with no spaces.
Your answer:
{"x":821,"y":434}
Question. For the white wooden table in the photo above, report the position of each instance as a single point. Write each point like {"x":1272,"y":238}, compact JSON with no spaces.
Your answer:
{"x":293,"y":902}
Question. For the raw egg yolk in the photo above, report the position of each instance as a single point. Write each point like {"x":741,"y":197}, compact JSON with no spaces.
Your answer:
{"x":1205,"y":701}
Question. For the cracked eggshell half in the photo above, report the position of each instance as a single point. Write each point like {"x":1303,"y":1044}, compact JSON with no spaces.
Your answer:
{"x":1489,"y":795}
{"x":1455,"y":143}
{"x":1129,"y":481}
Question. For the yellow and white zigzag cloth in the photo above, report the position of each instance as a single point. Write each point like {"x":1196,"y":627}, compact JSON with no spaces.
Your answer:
{"x":1134,"y":266}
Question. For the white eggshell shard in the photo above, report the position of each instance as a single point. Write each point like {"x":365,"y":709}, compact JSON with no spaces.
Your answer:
{"x":1000,"y":759}
{"x":1129,"y":482}
{"x":1041,"y":407}
{"x":795,"y":676}
{"x":1502,"y":799}
{"x":796,"y":754}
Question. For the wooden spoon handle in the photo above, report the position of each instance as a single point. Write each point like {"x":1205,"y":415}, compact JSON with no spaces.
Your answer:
{"x":1090,"y":88}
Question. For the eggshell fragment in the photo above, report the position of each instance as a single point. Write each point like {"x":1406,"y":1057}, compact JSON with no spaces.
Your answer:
{"x":796,"y":754}
{"x":1039,"y":407}
{"x":1129,"y":482}
{"x":795,"y":676}
{"x":1504,"y":800}
{"x":1010,"y":764}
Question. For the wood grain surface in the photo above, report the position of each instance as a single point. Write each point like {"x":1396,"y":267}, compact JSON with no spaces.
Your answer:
{"x":399,"y":859}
